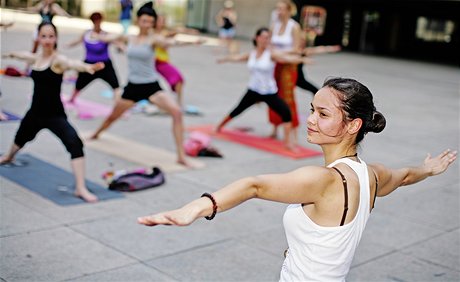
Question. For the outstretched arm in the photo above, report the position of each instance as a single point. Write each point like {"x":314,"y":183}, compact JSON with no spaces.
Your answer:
{"x":391,"y":179}
{"x":21,"y":55}
{"x":308,"y":51}
{"x":304,"y":185}
{"x":166,"y":42}
{"x":62,"y":63}
{"x":289,"y":58}
{"x":234,"y":58}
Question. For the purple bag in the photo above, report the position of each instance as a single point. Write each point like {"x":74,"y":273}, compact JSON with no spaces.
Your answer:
{"x":136,"y":181}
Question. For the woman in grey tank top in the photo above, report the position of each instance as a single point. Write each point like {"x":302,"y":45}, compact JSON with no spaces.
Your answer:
{"x":143,"y":78}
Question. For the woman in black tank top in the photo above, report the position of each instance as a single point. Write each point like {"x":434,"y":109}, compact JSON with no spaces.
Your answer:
{"x":46,"y":110}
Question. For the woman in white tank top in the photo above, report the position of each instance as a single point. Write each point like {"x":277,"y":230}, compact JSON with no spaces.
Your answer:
{"x":330,"y":203}
{"x":262,"y":86}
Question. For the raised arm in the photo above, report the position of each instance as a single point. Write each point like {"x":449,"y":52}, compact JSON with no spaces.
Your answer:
{"x":58,"y":10}
{"x":304,"y":185}
{"x":35,"y":9}
{"x":391,"y":179}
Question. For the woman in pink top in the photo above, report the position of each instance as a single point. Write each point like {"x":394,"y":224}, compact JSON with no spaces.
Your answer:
{"x":330,"y":203}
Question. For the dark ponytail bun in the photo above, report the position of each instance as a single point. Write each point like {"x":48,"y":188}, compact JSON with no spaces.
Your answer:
{"x":377,"y":124}
{"x":147,"y":9}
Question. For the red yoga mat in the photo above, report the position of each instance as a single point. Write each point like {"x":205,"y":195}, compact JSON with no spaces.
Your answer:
{"x":262,"y":143}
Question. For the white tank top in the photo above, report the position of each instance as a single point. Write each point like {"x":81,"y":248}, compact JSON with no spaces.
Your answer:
{"x":283,"y":41}
{"x":262,"y":73}
{"x":318,"y":253}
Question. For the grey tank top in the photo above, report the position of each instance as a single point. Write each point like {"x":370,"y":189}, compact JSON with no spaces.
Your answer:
{"x":141,"y":66}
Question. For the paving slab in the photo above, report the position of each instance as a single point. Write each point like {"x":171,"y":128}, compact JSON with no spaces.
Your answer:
{"x":225,"y":260}
{"x":136,"y":272}
{"x":54,"y":255}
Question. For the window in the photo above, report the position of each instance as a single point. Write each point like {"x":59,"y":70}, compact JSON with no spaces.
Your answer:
{"x":434,"y":30}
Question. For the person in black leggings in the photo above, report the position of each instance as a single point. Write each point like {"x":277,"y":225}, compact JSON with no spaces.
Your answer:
{"x":46,"y":110}
{"x":262,"y":85}
{"x":302,"y":81}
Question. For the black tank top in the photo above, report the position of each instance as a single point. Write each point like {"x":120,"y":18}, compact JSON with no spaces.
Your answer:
{"x":227,"y":23}
{"x":46,"y":101}
{"x":48,"y":16}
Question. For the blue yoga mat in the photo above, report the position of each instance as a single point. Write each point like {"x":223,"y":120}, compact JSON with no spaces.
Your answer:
{"x":50,"y":182}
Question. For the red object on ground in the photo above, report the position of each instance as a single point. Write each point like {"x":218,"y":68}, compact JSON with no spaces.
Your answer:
{"x":262,"y":143}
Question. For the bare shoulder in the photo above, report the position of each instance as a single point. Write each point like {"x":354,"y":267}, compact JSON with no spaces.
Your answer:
{"x":296,"y":25}
{"x":60,"y":58}
{"x":378,"y":169}
{"x":60,"y":63}
{"x":316,"y":176}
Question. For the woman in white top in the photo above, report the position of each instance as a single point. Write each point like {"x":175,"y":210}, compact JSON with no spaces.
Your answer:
{"x":286,"y":37}
{"x":262,"y":86}
{"x":330,"y":204}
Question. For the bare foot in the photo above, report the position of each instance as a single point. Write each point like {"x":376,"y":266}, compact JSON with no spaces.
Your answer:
{"x":71,"y":101}
{"x":86,"y":196}
{"x":5,"y":160}
{"x":3,"y":116}
{"x":291,"y":147}
{"x":188,"y":163}
{"x":217,"y":129}
{"x":94,"y":136}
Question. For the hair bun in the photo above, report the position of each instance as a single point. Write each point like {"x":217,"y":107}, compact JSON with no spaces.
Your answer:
{"x":147,"y":9}
{"x":148,"y":5}
{"x":377,"y":123}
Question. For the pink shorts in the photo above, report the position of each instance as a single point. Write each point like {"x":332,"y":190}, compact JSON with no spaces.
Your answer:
{"x":170,"y":73}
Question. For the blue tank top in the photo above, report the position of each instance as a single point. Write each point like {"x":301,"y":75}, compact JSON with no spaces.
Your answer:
{"x":46,"y":17}
{"x":46,"y":100}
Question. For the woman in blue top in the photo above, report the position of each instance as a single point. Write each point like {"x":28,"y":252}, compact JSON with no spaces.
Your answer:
{"x":125,"y":14}
{"x":143,"y":79}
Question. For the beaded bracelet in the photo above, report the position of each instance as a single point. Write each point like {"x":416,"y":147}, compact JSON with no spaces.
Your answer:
{"x":214,"y":206}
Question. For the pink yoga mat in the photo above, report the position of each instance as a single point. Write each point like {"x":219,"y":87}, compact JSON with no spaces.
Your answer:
{"x":262,"y":143}
{"x":87,"y":109}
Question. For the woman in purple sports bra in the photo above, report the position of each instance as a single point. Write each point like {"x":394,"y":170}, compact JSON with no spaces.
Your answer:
{"x":97,"y":50}
{"x":329,"y":204}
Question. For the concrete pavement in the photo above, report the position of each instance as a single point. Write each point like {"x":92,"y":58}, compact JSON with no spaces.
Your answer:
{"x":413,"y":234}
